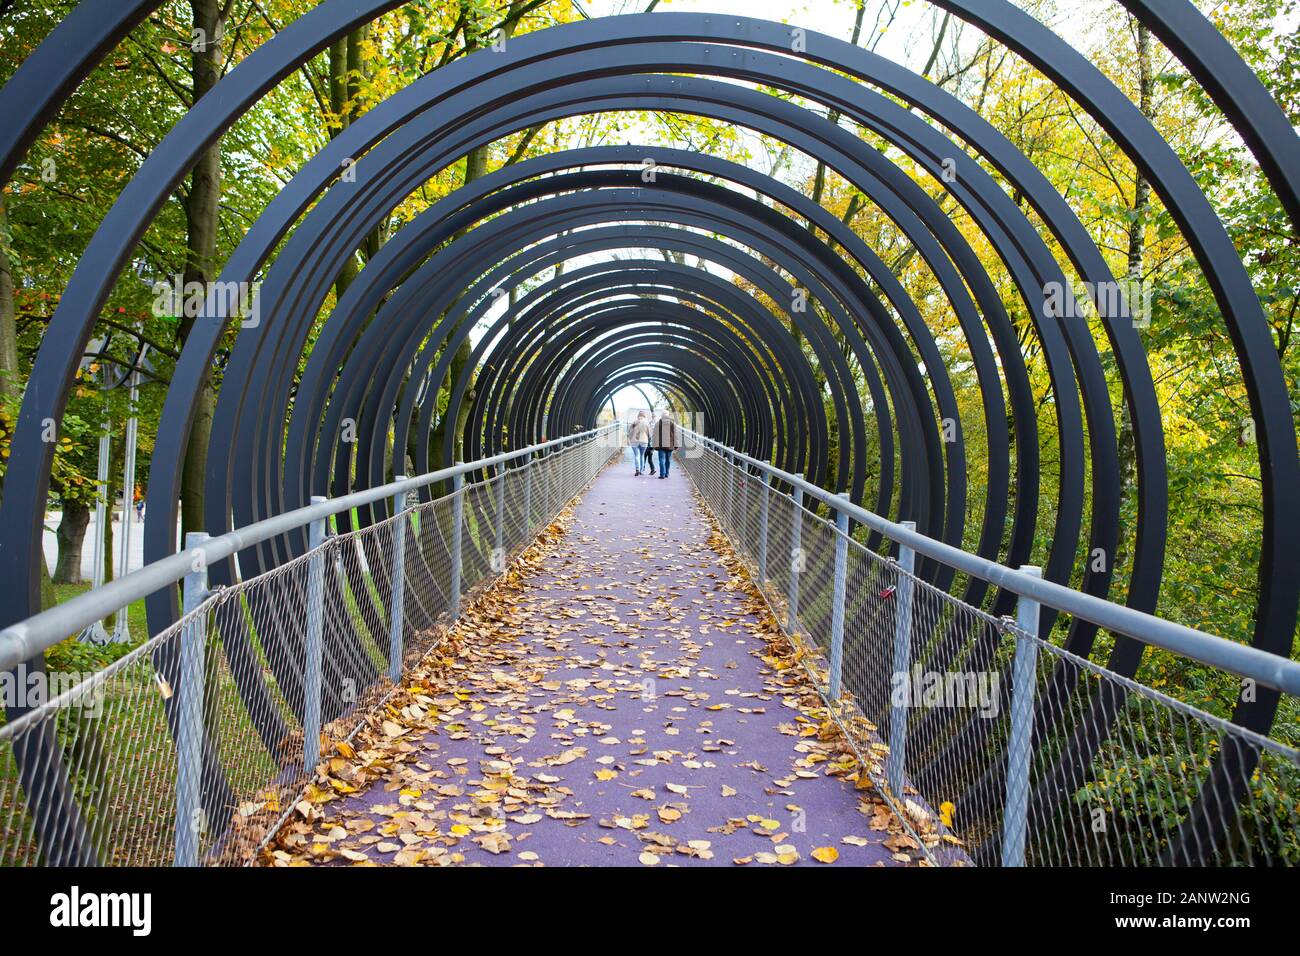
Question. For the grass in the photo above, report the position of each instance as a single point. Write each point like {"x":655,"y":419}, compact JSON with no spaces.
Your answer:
{"x":73,"y":655}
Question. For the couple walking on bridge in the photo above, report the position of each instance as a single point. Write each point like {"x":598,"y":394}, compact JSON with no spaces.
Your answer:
{"x":645,"y":437}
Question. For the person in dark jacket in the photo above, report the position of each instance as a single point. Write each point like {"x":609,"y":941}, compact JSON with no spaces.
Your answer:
{"x":664,"y":438}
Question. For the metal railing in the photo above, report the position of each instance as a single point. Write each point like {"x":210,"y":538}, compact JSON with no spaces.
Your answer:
{"x":194,"y":746}
{"x":994,"y":745}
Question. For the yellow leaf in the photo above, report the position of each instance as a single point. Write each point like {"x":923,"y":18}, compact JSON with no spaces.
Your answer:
{"x":826,"y":854}
{"x":946,"y":810}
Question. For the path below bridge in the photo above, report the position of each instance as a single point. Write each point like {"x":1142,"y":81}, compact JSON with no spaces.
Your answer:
{"x":616,"y":700}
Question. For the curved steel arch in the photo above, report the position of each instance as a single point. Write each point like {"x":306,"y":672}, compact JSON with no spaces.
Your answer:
{"x":1190,"y":37}
{"x":613,"y":237}
{"x":579,"y":201}
{"x":1062,"y":565}
{"x":591,"y":318}
{"x":556,"y":250}
{"x":1022,"y":497}
{"x":733,"y":406}
{"x":367,"y":363}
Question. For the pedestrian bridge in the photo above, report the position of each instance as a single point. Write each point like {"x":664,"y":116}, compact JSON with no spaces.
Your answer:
{"x":862,"y":622}
{"x":561,"y":662}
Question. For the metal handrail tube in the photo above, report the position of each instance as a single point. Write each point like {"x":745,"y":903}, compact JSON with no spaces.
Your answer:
{"x":26,"y":639}
{"x":1271,"y":670}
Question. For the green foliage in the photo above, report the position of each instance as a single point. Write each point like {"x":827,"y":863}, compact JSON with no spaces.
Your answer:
{"x":73,"y":656}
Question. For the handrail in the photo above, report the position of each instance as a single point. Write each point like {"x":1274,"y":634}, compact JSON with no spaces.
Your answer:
{"x":28,"y":638}
{"x":1271,"y":670}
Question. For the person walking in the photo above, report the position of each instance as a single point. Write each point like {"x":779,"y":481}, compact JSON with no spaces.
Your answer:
{"x":638,"y":436}
{"x":649,"y":451}
{"x":664,"y":439}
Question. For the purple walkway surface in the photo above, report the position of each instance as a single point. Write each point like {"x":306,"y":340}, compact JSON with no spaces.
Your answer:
{"x":620,"y":714}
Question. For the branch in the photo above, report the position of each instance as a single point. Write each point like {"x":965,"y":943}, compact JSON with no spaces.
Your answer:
{"x":938,"y":42}
{"x":307,"y":75}
{"x":182,"y":94}
{"x":529,"y":135}
{"x":105,"y":133}
{"x":31,"y":317}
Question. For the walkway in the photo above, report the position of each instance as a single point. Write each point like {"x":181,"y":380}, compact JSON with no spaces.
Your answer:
{"x":610,"y":704}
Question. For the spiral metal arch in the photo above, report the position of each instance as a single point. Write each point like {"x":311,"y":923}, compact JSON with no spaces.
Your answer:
{"x":567,"y":344}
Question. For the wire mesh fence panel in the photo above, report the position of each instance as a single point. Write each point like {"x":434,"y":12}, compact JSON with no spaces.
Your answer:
{"x":478,"y":536}
{"x":192,"y":747}
{"x":816,"y":548}
{"x":947,"y":707}
{"x":428,"y":561}
{"x":89,"y":776}
{"x":1123,"y":775}
{"x":1009,"y":748}
{"x":360,"y":635}
{"x":254,"y":647}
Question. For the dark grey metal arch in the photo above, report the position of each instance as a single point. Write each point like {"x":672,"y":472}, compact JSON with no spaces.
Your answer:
{"x":1280,"y":573}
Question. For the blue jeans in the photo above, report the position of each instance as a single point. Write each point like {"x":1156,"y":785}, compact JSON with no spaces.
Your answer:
{"x":640,"y":456}
{"x":665,"y":456}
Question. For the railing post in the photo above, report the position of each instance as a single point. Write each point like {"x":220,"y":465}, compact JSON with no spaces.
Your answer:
{"x":457,"y":522}
{"x":315,"y":643}
{"x":528,"y":495}
{"x":762,"y":529}
{"x":397,"y":614}
{"x":500,"y":555}
{"x":796,"y":561}
{"x":837,"y":606}
{"x":189,"y":713}
{"x":732,"y":467}
{"x":1024,"y":680}
{"x":894,"y":763}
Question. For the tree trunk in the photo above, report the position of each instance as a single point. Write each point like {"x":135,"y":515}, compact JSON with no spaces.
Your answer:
{"x":819,"y":179}
{"x":338,"y":106}
{"x":202,"y":216}
{"x":1134,"y":268}
{"x":9,"y":382}
{"x":1137,"y":237}
{"x":71,"y":535}
{"x":48,"y":596}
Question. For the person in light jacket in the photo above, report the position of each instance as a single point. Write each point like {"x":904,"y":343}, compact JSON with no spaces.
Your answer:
{"x":638,"y":436}
{"x":664,"y":438}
